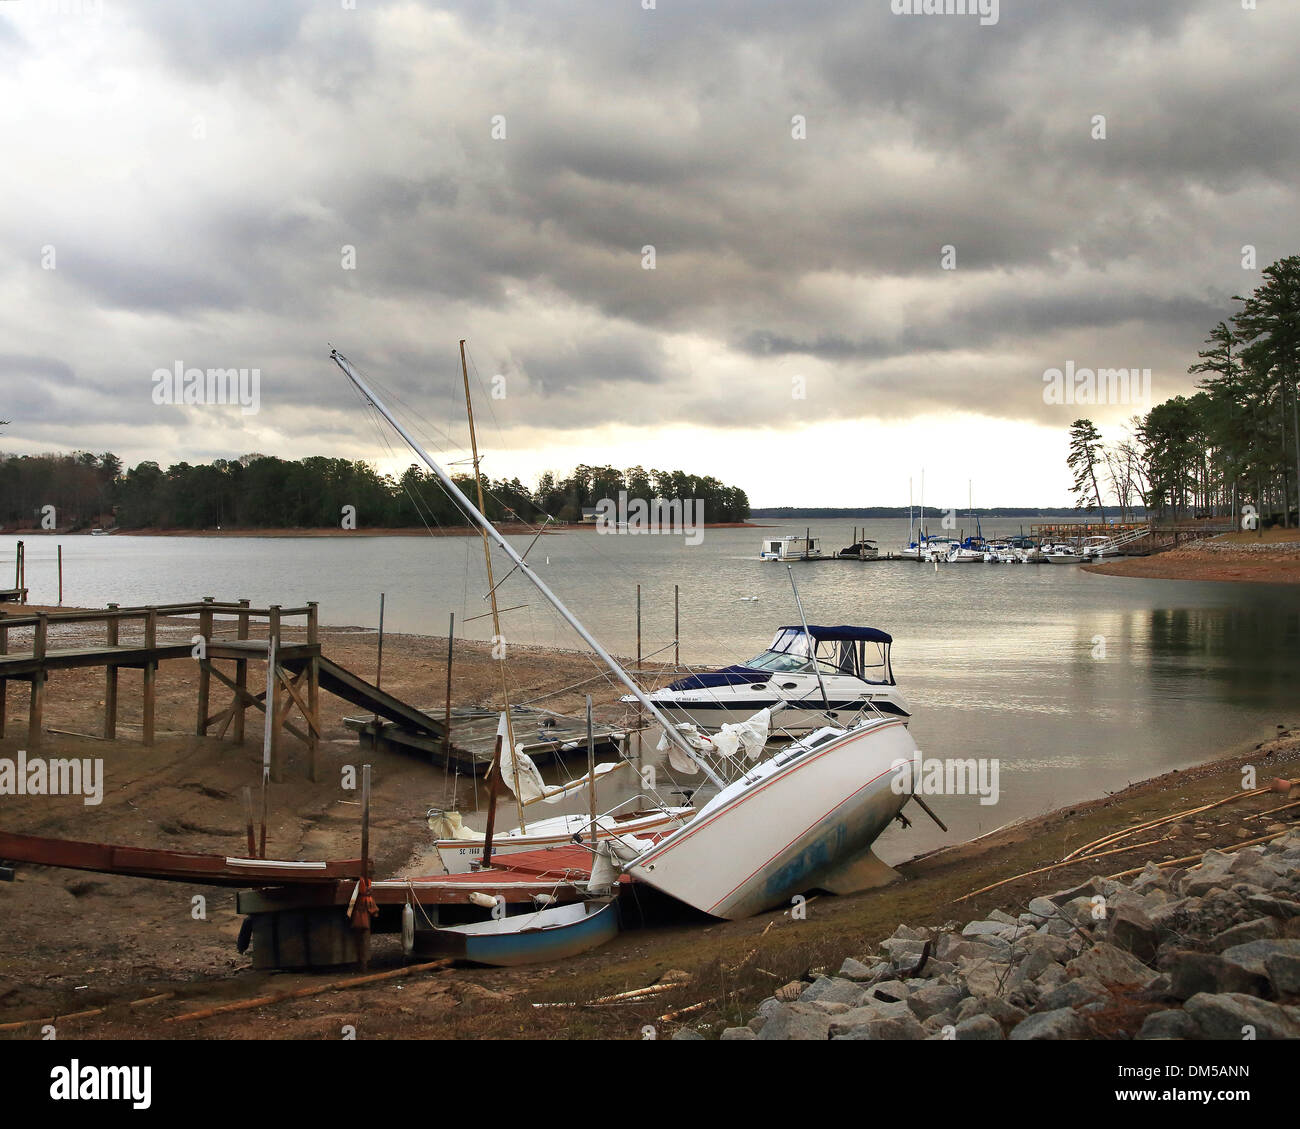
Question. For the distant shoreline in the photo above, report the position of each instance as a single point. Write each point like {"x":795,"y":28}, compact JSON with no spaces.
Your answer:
{"x":288,"y":531}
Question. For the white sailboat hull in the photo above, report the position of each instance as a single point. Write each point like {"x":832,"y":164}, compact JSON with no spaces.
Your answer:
{"x":789,"y":823}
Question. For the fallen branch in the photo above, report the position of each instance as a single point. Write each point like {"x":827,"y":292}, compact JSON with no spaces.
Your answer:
{"x":1190,"y":858}
{"x":310,"y":990}
{"x":1058,"y":865}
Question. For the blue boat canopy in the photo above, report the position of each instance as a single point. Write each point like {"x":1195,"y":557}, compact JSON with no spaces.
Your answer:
{"x":842,"y":633}
{"x":727,"y":676}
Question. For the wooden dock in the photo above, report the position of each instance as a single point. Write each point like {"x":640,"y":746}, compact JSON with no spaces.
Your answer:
{"x":544,"y":735}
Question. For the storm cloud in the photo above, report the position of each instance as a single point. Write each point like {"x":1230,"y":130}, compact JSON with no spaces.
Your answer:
{"x":241,"y":185}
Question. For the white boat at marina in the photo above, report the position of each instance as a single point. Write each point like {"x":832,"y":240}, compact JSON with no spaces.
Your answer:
{"x":818,"y":677}
{"x":791,"y":548}
{"x":1063,"y":554}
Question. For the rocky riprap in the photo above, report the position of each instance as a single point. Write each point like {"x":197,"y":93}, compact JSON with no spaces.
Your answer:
{"x":1210,"y":951}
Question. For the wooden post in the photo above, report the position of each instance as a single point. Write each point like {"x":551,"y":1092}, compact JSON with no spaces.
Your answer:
{"x":150,"y":672}
{"x":110,"y":680}
{"x":363,"y":941}
{"x":4,"y":682}
{"x":205,"y":671}
{"x":38,"y":683}
{"x":446,"y":717}
{"x":60,"y":576}
{"x":493,"y":789}
{"x":274,"y":695}
{"x":379,"y":669}
{"x":313,"y":688}
{"x":241,"y":674}
{"x":248,"y":822}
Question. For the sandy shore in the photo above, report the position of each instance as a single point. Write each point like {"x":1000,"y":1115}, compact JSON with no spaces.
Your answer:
{"x":1267,"y":558}
{"x":76,"y":941}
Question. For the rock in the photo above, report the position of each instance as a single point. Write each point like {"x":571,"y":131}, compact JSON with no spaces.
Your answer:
{"x":854,"y":970}
{"x":1087,"y":890}
{"x":989,"y":928}
{"x":933,"y":999}
{"x":1131,"y":929}
{"x":979,"y":1027}
{"x":1035,"y":964}
{"x":1002,"y":916}
{"x":1042,"y":907}
{"x":796,"y":1021}
{"x":1073,"y":993}
{"x":1252,"y":955}
{"x":1059,"y":1024}
{"x":830,"y":1007}
{"x":983,"y":977}
{"x":1283,"y":971}
{"x":731,"y":1033}
{"x":832,"y":990}
{"x":788,"y":993}
{"x":938,"y":970}
{"x":889,"y":991}
{"x":1050,"y":978}
{"x":1260,"y":929}
{"x":956,"y":948}
{"x":1272,"y":906}
{"x":900,"y":1027}
{"x":902,"y":952}
{"x":1191,"y":973}
{"x":1173,"y":1024}
{"x":1055,"y":947}
{"x":1111,"y":966}
{"x":685,"y":1033}
{"x":1232,"y":1015}
{"x":907,"y":933}
{"x":1151,"y":878}
{"x":859,"y":1017}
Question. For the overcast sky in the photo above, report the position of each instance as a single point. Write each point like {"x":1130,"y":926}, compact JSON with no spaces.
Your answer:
{"x":181,"y":179}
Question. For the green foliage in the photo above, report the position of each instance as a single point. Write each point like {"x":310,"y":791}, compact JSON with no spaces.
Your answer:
{"x":261,"y":491}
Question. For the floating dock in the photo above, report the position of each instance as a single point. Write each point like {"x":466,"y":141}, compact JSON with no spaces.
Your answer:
{"x":544,"y":735}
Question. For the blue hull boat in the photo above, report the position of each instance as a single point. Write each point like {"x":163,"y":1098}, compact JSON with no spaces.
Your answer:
{"x":546,"y":935}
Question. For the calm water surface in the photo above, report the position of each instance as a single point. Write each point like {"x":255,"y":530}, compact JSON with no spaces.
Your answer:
{"x":997,"y":660}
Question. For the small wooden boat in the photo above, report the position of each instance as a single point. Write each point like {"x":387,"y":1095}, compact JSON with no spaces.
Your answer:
{"x":552,"y":934}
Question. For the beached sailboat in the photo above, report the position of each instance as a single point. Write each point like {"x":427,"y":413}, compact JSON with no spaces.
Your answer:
{"x":804,"y":818}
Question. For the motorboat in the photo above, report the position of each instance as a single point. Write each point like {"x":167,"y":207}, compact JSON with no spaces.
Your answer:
{"x":1063,"y":554}
{"x":790,"y":548}
{"x":822,"y":675}
{"x":863,"y":550}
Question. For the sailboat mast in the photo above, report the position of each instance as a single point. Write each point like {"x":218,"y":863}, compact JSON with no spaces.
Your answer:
{"x":477,"y":517}
{"x":497,"y":639}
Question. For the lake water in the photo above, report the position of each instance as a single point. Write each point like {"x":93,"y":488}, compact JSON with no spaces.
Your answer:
{"x":997,"y":661}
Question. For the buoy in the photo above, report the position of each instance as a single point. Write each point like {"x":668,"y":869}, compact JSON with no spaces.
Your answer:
{"x":408,"y":929}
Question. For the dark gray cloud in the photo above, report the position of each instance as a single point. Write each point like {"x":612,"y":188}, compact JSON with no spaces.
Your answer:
{"x":329,"y":132}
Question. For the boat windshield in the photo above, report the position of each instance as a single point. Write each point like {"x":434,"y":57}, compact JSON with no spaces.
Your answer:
{"x":788,"y":663}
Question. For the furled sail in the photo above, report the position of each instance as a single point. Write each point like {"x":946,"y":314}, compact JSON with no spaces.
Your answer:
{"x":532,"y":785}
{"x":749,"y":735}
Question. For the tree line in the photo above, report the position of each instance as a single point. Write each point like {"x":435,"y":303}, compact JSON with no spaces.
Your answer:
{"x":261,"y":491}
{"x":1234,"y":443}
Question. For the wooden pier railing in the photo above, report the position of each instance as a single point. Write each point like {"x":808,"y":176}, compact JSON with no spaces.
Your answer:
{"x":294,"y":680}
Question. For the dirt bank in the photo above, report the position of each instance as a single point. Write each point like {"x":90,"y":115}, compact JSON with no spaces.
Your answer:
{"x":71,"y":941}
{"x":1266,"y":557}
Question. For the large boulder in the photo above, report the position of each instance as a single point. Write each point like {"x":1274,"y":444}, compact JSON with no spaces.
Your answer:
{"x":796,"y":1021}
{"x":1191,"y":973}
{"x":1252,"y":955}
{"x":1172,"y":1024}
{"x":1260,"y":929}
{"x":1130,"y":929}
{"x":1111,"y":966}
{"x":1233,"y":1016}
{"x":1059,"y":1024}
{"x":979,"y":1027}
{"x":934,"y":999}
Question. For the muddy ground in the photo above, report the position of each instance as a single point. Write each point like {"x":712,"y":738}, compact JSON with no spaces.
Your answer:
{"x":73,"y":942}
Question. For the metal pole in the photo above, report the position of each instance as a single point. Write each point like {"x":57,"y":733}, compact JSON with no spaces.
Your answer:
{"x":379,"y":659}
{"x":812,"y":643}
{"x":468,"y":508}
{"x":268,"y":736}
{"x":591,"y":773}
{"x":446,"y":719}
{"x":60,"y":576}
{"x":677,"y":626}
{"x":638,"y":628}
